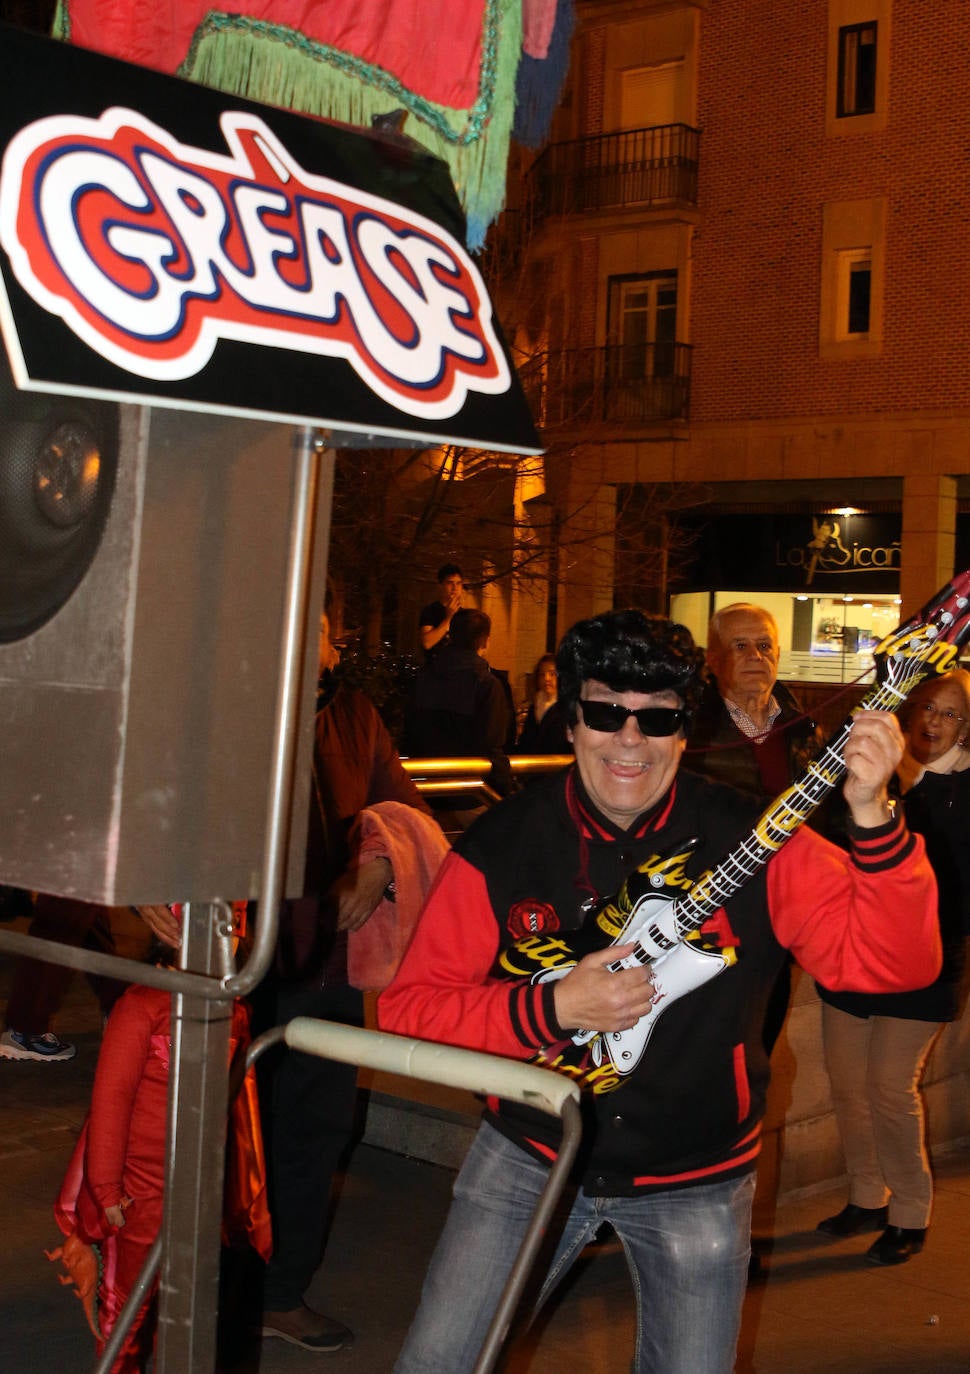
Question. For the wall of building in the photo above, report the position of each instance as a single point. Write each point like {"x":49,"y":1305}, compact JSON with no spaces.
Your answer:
{"x":784,"y":185}
{"x":769,"y":168}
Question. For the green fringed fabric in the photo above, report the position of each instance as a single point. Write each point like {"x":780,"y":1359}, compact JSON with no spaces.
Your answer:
{"x":282,"y":67}
{"x":61,"y":23}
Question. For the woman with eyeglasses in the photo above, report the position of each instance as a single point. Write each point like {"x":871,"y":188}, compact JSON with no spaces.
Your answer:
{"x":877,"y":1045}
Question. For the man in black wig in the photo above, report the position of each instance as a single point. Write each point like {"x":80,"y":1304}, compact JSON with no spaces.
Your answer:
{"x":511,"y":957}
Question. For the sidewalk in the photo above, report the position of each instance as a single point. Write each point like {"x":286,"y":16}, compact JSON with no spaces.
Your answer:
{"x":819,"y":1307}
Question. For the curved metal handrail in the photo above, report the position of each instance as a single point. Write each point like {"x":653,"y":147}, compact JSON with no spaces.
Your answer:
{"x":470,"y":1070}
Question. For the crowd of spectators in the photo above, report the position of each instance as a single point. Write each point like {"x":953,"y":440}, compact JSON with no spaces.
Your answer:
{"x":672,"y":761}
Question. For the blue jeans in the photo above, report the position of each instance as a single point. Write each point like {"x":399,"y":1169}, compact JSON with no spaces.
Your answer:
{"x":687,"y":1250}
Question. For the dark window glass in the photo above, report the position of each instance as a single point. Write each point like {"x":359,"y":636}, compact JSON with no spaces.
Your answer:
{"x":857,"y":69}
{"x":860,"y":283}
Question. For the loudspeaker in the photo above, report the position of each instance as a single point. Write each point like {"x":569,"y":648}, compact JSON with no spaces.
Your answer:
{"x":143,"y":556}
{"x":58,"y":460}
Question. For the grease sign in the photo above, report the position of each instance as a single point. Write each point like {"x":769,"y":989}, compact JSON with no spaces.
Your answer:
{"x":161,"y":257}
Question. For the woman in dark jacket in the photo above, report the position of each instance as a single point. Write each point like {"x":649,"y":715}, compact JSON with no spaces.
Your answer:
{"x":544,"y":727}
{"x":876,"y":1046}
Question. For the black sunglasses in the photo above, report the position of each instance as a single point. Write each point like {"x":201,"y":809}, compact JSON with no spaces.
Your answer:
{"x":607,"y":718}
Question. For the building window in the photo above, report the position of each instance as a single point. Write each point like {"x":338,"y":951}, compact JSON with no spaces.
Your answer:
{"x":651,"y":96}
{"x":857,"y":70}
{"x":852,"y":278}
{"x":643,"y":325}
{"x":855,"y":293}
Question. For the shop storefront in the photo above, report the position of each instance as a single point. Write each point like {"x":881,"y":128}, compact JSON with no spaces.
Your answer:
{"x":830,"y":579}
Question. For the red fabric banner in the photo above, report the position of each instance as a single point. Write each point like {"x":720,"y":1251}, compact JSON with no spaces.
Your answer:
{"x":431,"y":46}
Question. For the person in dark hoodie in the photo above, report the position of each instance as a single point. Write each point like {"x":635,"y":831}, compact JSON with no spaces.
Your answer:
{"x":458,"y":706}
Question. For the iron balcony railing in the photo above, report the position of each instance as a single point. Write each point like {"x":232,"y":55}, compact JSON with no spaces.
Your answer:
{"x":621,"y":384}
{"x":641,"y":167}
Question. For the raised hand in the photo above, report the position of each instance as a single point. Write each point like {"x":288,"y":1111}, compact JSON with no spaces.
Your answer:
{"x":872,"y":753}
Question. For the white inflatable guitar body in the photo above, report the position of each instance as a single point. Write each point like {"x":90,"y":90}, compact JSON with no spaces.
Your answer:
{"x":680,"y":970}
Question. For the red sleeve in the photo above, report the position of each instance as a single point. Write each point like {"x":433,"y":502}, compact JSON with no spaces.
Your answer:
{"x":443,"y":990}
{"x":389,"y":780}
{"x":356,"y":761}
{"x":121,"y":1065}
{"x":863,"y":921}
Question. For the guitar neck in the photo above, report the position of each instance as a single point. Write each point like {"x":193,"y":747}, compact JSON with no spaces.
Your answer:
{"x":775,"y":826}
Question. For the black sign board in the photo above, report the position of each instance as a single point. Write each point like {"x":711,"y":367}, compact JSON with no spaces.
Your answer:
{"x":166,"y":244}
{"x":818,"y":554}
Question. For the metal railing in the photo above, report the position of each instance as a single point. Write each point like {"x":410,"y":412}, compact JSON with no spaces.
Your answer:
{"x":456,"y":789}
{"x":429,"y":1062}
{"x":431,"y":775}
{"x":643,"y":167}
{"x":621,"y":384}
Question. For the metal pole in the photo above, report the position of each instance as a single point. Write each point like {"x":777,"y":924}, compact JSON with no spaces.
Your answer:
{"x":198,"y":1085}
{"x":308,"y":445}
{"x":198,"y":1089}
{"x":515,"y":1283}
{"x":202,"y":1008}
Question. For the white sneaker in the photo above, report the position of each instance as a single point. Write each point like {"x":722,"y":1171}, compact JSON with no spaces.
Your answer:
{"x":17,"y":1045}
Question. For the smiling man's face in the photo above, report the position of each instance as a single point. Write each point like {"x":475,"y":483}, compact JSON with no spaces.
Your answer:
{"x":627,"y":772}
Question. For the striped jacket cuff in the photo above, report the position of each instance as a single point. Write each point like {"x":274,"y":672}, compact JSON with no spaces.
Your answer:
{"x":884,"y":846}
{"x":532,"y":1009}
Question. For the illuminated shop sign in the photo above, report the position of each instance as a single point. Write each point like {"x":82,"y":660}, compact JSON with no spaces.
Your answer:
{"x":839,"y":546}
{"x":814,"y":552}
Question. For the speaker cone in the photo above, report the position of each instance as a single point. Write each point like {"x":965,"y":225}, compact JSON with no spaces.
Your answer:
{"x":58,"y":459}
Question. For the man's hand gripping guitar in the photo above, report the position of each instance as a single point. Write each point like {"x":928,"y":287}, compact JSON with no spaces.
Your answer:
{"x":624,"y":988}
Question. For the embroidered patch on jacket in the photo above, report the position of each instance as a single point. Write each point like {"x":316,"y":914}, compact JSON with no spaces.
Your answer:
{"x":531,"y":918}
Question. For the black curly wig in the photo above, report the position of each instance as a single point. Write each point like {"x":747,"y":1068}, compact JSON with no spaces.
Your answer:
{"x":631,"y":652}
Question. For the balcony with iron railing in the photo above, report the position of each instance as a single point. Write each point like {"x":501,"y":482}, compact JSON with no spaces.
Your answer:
{"x":625,"y":385}
{"x":642,"y":167}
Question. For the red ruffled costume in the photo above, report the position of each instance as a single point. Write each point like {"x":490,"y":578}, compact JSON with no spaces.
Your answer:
{"x":119,"y":1161}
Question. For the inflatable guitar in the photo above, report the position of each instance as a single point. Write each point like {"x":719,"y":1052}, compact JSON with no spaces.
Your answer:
{"x":666,"y":931}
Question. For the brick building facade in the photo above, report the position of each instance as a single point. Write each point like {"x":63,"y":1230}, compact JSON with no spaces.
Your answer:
{"x":749,"y":276}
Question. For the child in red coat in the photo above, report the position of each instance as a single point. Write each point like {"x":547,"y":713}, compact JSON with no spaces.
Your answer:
{"x":110,"y":1204}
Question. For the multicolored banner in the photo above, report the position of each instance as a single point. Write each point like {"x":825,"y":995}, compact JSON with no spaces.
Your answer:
{"x":434,"y":48}
{"x":451,"y":67}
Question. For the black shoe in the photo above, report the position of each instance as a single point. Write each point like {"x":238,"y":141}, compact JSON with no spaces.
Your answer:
{"x":896,"y":1245}
{"x":852,"y":1219}
{"x":308,"y":1329}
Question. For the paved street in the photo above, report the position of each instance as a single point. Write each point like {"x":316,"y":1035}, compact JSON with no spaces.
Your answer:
{"x":819,"y":1309}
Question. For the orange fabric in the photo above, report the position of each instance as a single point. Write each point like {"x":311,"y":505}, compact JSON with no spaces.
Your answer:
{"x":81,"y":1264}
{"x":246,"y":1217}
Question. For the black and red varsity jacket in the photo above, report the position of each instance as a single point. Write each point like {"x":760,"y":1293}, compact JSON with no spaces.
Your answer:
{"x":523,"y":884}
